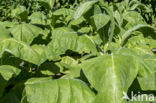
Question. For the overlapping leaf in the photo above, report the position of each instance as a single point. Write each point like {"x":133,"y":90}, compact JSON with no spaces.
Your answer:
{"x":25,"y":32}
{"x":6,"y":73}
{"x":58,"y":91}
{"x":64,"y":39}
{"x":84,"y":8}
{"x":21,"y":50}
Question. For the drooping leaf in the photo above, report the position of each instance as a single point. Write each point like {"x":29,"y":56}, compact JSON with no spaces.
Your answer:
{"x":64,"y":39}
{"x":147,"y":30}
{"x":21,"y":50}
{"x":6,"y":73}
{"x":25,"y":32}
{"x":46,"y":90}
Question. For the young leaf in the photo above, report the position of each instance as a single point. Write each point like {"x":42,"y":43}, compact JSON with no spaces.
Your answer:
{"x":84,"y":8}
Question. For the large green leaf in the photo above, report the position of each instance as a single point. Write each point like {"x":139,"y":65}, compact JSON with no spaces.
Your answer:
{"x":21,"y":50}
{"x":111,"y":75}
{"x":144,"y":69}
{"x":147,"y":72}
{"x":25,"y":32}
{"x":6,"y":73}
{"x":64,"y":39}
{"x":84,"y":7}
{"x":46,"y":90}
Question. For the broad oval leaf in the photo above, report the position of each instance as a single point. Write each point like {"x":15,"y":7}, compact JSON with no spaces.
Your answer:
{"x":25,"y":32}
{"x":46,"y":90}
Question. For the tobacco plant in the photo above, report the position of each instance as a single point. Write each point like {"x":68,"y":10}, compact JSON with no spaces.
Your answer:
{"x":77,"y":51}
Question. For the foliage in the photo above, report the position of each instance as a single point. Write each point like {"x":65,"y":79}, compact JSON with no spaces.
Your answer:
{"x":76,"y":51}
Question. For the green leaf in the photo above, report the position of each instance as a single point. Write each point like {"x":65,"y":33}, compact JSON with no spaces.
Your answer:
{"x":147,"y":30}
{"x":64,"y":12}
{"x":4,"y":33}
{"x":21,"y":12}
{"x":6,"y":73}
{"x":111,"y":75}
{"x":46,"y":90}
{"x":48,"y":4}
{"x":149,"y":82}
{"x":146,"y":70}
{"x":64,"y":39}
{"x":141,"y":45}
{"x":100,"y":20}
{"x":38,"y":18}
{"x":8,"y":24}
{"x":132,"y":18}
{"x":112,"y":26}
{"x":25,"y":32}
{"x":84,"y":7}
{"x":21,"y":50}
{"x":73,"y":67}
